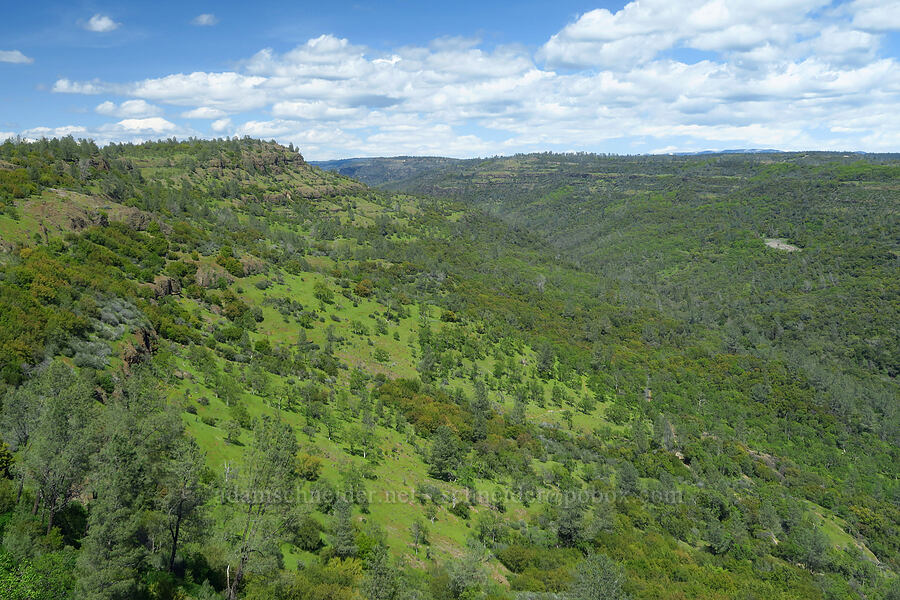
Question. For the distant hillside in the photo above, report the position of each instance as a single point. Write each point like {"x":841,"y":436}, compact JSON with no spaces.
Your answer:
{"x":732,"y":151}
{"x":692,"y":229}
{"x":376,"y":171}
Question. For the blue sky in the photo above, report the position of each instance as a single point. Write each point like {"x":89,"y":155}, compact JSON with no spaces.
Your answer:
{"x":461,"y":78}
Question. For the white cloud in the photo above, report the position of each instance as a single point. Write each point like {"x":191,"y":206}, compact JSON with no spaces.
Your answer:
{"x":317,"y":110}
{"x":220,"y":125}
{"x":267,"y":129}
{"x":205,"y":20}
{"x":225,"y":91}
{"x":48,"y":132}
{"x":642,"y":29}
{"x":125,"y":130}
{"x":204,"y":112}
{"x":876,"y":15}
{"x":655,"y":75}
{"x":101,"y":24}
{"x":106,"y":108}
{"x":5,"y":135}
{"x":66,"y":86}
{"x":150,"y":124}
{"x":129,"y":108}
{"x":14,"y":56}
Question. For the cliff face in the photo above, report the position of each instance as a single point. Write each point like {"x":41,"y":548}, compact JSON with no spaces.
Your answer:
{"x":269,"y":158}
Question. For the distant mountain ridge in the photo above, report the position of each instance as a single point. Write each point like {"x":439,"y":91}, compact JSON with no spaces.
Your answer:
{"x":732,"y":151}
{"x":395,"y":170}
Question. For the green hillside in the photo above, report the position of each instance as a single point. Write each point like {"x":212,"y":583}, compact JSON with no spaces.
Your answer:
{"x":791,"y":256}
{"x":378,"y":171}
{"x":227,"y":373}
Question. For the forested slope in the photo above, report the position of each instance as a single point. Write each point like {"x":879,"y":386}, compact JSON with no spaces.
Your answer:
{"x":377,"y":171}
{"x":227,"y":373}
{"x":700,"y":237}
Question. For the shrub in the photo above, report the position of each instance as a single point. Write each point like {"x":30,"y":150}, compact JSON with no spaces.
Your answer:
{"x":309,"y":467}
{"x":617,"y":413}
{"x":364,"y":288}
{"x":232,"y":432}
{"x":240,"y":415}
{"x":322,"y":292}
{"x":307,"y":535}
{"x":461,"y":510}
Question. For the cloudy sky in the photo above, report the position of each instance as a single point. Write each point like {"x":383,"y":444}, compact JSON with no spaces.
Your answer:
{"x":460,"y":78}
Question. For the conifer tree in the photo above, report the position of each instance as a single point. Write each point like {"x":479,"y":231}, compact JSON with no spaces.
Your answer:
{"x":445,"y":454}
{"x":382,"y":580}
{"x":137,"y":437}
{"x":597,"y":577}
{"x":343,"y":534}
{"x":262,"y":512}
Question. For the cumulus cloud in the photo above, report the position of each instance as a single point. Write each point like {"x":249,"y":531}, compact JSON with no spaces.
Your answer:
{"x":225,"y":91}
{"x":638,"y":32}
{"x":66,"y":86}
{"x":317,"y":110}
{"x":101,"y":24}
{"x":876,"y":15}
{"x":205,"y":20}
{"x":129,"y":108}
{"x":14,"y":56}
{"x":657,"y":74}
{"x":203,"y":112}
{"x":150,"y":124}
{"x":221,"y":125}
{"x":46,"y":132}
{"x":125,"y":130}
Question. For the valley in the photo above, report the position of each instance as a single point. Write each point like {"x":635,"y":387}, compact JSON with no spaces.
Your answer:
{"x":228,"y":373}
